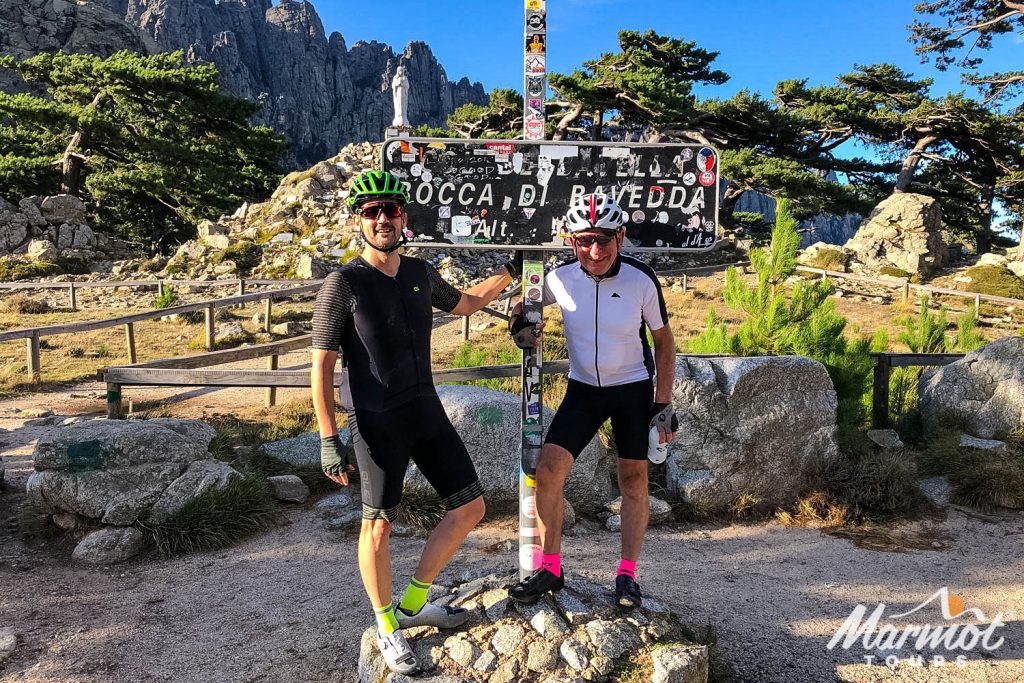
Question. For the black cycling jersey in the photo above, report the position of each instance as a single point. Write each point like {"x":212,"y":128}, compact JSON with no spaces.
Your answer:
{"x":382,"y":326}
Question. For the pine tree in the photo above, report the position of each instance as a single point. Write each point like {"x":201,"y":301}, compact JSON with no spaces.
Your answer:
{"x":150,"y":143}
{"x":802,"y":321}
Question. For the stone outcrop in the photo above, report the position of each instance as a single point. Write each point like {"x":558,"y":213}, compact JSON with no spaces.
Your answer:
{"x":44,"y":228}
{"x":579,"y":633}
{"x":984,"y":390}
{"x":749,"y":426}
{"x":905,"y":232}
{"x":119,"y":472}
{"x":317,"y":91}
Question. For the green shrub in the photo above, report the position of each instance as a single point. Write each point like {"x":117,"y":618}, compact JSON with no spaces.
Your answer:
{"x":177,"y":267}
{"x":12,"y":269}
{"x":893,"y":271}
{"x":830,"y":259}
{"x":469,"y":355}
{"x":71,"y":265}
{"x":167,"y":298}
{"x":979,"y":478}
{"x":995,"y":280}
{"x":217,"y":518}
{"x":102,"y":351}
{"x":244,"y":253}
{"x":153,"y":265}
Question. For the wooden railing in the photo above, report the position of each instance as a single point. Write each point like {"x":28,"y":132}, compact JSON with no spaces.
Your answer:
{"x":240,"y":284}
{"x":880,"y":384}
{"x":32,"y":335}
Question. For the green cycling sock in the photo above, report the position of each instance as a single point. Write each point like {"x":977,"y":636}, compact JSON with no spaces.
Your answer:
{"x":386,"y":620}
{"x":415,"y":597}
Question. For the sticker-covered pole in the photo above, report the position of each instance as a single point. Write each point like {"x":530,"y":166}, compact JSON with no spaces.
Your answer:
{"x":534,"y":87}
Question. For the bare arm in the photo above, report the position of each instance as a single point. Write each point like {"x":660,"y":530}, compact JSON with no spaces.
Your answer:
{"x":481,"y":294}
{"x":664,"y":363}
{"x":322,"y":381}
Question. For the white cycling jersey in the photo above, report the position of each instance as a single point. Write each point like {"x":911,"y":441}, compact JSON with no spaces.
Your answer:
{"x":606,"y":320}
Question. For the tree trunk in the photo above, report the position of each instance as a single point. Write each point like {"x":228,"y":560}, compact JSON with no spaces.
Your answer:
{"x":730,"y":198}
{"x":73,"y":162}
{"x":567,"y":121}
{"x":984,"y":234}
{"x":910,"y":164}
{"x":598,"y":125}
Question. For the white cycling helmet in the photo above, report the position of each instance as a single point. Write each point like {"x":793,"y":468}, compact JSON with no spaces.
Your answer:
{"x":595,"y":210}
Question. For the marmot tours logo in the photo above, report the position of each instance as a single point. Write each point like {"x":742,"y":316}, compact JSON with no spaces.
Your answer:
{"x":962,"y":630}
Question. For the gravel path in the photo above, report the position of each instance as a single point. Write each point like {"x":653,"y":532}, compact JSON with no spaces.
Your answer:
{"x":288,"y":604}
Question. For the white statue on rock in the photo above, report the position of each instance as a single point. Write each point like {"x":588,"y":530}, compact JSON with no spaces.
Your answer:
{"x":400,"y":89}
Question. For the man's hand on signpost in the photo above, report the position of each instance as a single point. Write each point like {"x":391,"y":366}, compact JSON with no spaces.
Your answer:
{"x":525,"y":334}
{"x":334,"y":459}
{"x":514,"y":266}
{"x":663,"y":418}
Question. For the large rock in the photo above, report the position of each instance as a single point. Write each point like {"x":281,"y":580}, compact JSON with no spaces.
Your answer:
{"x":42,"y":250}
{"x":119,"y":472}
{"x":983,"y":390}
{"x":63,"y":208}
{"x":304,"y":450}
{"x":489,"y":423}
{"x":749,"y":425}
{"x":904,"y":231}
{"x":109,"y":545}
{"x":13,"y":230}
{"x":601,"y":640}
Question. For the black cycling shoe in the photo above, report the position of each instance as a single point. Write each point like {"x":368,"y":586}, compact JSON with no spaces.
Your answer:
{"x":627,"y":592}
{"x":540,"y":582}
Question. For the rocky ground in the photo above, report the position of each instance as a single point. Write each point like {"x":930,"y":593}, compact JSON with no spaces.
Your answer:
{"x":287,"y":605}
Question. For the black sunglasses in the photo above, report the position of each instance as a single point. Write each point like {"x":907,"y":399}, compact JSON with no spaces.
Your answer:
{"x":373,"y":211}
{"x":587,"y":241}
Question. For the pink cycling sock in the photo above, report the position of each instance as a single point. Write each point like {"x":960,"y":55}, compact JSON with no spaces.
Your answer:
{"x":553,"y":563}
{"x":628,"y":568}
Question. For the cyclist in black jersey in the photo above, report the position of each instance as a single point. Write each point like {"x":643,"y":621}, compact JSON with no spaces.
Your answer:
{"x":377,"y":309}
{"x":609,"y":303}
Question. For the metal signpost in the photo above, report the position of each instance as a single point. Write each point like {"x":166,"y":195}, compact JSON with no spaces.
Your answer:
{"x":498,"y":194}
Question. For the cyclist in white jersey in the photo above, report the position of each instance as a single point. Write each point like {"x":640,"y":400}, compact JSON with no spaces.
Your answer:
{"x":609,"y":302}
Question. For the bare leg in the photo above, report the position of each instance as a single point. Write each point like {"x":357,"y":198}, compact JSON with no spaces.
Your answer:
{"x":553,"y":467}
{"x":446,"y":538}
{"x":375,"y":560}
{"x":635,"y":507}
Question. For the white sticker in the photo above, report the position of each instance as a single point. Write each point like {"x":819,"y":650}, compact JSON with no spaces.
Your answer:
{"x":529,"y":556}
{"x":408,"y":157}
{"x":462,"y":226}
{"x":416,"y":170}
{"x":529,"y":213}
{"x":444,"y":212}
{"x":426,"y":176}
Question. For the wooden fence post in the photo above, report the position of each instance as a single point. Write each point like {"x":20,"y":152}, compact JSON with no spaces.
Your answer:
{"x":465,"y":328}
{"x":880,"y":393}
{"x":241,"y":286}
{"x":73,"y":296}
{"x":115,"y":410}
{"x":906,"y":291}
{"x":271,"y":394}
{"x":211,"y":333}
{"x":129,"y":335}
{"x":268,"y":305}
{"x":977,"y":304}
{"x":685,"y":283}
{"x":32,"y":357}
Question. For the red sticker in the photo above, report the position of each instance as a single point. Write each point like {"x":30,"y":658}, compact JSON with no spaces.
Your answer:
{"x":505,"y":148}
{"x":707,"y":178}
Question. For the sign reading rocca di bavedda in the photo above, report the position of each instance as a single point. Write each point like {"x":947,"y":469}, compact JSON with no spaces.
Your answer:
{"x":476,"y":193}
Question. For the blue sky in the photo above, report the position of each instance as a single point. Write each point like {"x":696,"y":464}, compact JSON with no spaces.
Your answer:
{"x":760,"y":42}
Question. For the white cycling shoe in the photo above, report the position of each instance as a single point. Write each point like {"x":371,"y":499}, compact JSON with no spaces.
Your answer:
{"x":432,"y":615}
{"x":396,"y":652}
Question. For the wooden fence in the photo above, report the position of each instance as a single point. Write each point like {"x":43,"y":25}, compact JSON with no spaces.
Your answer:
{"x":884,"y":362}
{"x":32,"y":335}
{"x":241,"y":285}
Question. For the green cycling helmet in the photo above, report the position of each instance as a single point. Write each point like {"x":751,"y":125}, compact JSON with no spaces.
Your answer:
{"x":377,"y":185}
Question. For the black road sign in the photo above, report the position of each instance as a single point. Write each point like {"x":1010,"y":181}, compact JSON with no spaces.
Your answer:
{"x":478,"y":193}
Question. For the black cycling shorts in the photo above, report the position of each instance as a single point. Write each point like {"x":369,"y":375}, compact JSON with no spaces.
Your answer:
{"x":419,"y":430}
{"x":585,"y":408}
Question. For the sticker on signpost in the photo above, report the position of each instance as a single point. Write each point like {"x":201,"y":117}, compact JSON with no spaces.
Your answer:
{"x":535,"y":64}
{"x":535,"y":86}
{"x":535,"y":44}
{"x":536,"y":22}
{"x":462,"y":226}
